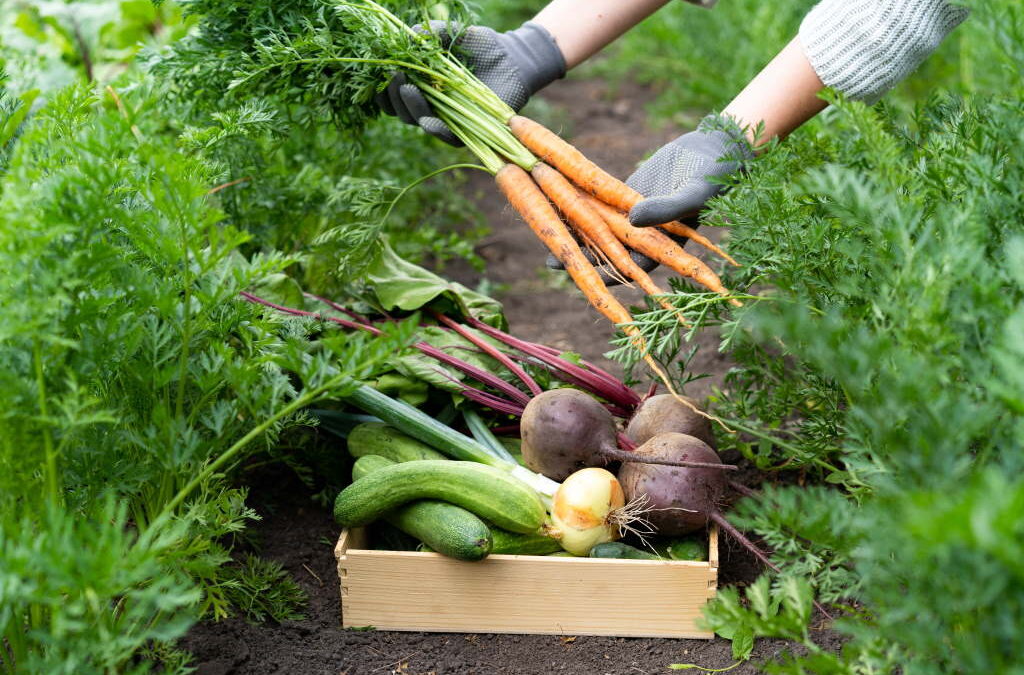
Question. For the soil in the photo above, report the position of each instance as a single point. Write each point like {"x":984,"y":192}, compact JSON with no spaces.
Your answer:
{"x":611,"y":128}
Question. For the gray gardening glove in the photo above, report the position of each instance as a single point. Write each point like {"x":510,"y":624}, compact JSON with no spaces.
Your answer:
{"x":515,"y":65}
{"x":679,"y":178}
{"x":676,"y":182}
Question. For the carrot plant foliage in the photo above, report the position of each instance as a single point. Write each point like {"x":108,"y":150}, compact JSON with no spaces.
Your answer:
{"x":131,"y":380}
{"x":882,"y":357}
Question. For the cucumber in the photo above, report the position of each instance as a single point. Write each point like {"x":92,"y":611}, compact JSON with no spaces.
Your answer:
{"x":488,"y":492}
{"x":377,"y":438}
{"x":443,"y":527}
{"x":687,"y":549}
{"x":512,"y":543}
{"x":419,"y":424}
{"x":615,"y":549}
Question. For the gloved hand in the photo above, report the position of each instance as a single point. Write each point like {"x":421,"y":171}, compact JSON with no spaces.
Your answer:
{"x":515,"y":65}
{"x":675,"y":181}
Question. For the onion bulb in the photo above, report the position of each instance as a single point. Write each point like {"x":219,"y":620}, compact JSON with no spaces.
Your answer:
{"x":584,"y":510}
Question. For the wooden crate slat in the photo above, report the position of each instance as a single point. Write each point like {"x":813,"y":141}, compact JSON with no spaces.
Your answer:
{"x":398,"y":590}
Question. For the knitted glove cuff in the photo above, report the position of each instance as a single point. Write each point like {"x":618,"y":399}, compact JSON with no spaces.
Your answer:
{"x":863,"y":48}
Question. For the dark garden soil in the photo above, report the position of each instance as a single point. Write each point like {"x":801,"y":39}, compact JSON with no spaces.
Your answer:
{"x":542,"y":307}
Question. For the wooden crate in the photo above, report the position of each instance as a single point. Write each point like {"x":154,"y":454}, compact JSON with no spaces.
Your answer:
{"x":401,"y":590}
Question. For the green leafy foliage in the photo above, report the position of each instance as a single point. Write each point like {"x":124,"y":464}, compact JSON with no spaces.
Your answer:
{"x":881,"y":357}
{"x":131,"y":373}
{"x":306,"y":159}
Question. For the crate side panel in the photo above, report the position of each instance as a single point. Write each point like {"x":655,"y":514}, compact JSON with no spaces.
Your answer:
{"x":524,"y":594}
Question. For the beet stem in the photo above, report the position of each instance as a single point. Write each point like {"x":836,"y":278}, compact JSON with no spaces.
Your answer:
{"x":598,"y":381}
{"x":478,"y":374}
{"x":626,"y":443}
{"x":491,"y":351}
{"x":623,"y":456}
{"x":334,"y":305}
{"x":743,"y":489}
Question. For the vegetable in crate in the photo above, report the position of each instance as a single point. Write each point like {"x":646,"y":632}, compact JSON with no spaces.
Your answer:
{"x":377,"y":438}
{"x":663,"y":413}
{"x":616,"y":549}
{"x":565,"y":430}
{"x":513,"y":543}
{"x":587,"y":510}
{"x":445,"y":528}
{"x":680,"y":499}
{"x":488,"y":492}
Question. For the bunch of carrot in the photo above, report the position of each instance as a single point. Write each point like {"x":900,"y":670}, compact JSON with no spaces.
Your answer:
{"x":553,"y":186}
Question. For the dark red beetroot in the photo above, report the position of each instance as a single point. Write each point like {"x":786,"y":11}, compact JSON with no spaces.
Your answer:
{"x":565,"y":430}
{"x":681,"y":499}
{"x":663,"y":413}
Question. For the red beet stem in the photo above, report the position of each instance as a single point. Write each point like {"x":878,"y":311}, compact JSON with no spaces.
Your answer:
{"x":596,"y":380}
{"x":491,"y":351}
{"x":743,"y":489}
{"x":333,"y":305}
{"x":626,"y":443}
{"x":478,"y":374}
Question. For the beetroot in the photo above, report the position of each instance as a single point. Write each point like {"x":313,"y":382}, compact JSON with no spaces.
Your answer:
{"x":664,"y":413}
{"x":565,"y":430}
{"x":681,"y":499}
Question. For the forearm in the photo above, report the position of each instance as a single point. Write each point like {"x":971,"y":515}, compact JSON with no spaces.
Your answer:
{"x":861,"y":48}
{"x":782,"y":96}
{"x":582,"y":28}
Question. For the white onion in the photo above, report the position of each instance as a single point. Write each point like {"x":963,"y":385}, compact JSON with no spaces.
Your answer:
{"x":583,"y":510}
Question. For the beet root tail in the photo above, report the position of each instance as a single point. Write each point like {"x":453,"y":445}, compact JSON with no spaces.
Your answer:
{"x":622,"y":456}
{"x":742,"y":540}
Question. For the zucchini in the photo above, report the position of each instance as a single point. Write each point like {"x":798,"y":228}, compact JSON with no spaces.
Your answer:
{"x":513,"y":543}
{"x":377,"y":438}
{"x":488,"y":492}
{"x":441,"y":526}
{"x":615,"y":549}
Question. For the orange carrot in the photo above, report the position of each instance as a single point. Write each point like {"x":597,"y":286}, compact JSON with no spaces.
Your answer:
{"x":660,"y":247}
{"x":574,"y":165}
{"x":524,"y":195}
{"x":680,"y":230}
{"x":589,"y":223}
{"x":550,"y":148}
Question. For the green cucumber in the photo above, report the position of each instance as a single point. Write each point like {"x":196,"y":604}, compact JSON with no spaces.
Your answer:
{"x":513,"y":543}
{"x":443,"y":527}
{"x":488,"y":492}
{"x":687,"y":549}
{"x":615,"y":549}
{"x":377,"y":438}
{"x":420,"y":425}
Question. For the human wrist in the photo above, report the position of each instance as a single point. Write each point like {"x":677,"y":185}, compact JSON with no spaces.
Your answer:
{"x":536,"y":55}
{"x":725,"y":137}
